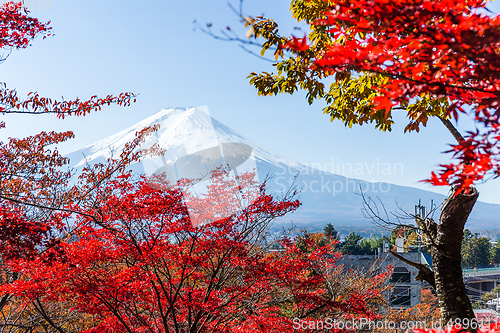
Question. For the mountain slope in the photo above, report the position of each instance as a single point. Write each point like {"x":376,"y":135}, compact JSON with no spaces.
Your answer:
{"x":326,"y":197}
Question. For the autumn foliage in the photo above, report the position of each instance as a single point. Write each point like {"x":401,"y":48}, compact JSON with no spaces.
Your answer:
{"x":17,"y":28}
{"x":136,"y":262}
{"x":34,"y":184}
{"x":430,"y":58}
{"x":112,"y":253}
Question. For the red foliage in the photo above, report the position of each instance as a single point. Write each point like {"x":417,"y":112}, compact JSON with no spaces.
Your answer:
{"x":17,"y":30}
{"x":30,"y":172}
{"x":128,"y":253}
{"x":138,"y":264}
{"x":19,"y":236}
{"x":34,"y":104}
{"x":443,"y":48}
{"x":35,"y":197}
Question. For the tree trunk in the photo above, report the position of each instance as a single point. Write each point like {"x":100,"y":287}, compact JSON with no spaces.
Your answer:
{"x":446,"y":243}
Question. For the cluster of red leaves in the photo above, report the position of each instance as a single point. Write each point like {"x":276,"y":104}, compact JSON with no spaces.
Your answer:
{"x":478,"y":156}
{"x":35,"y":104}
{"x":22,"y":237}
{"x":137,"y":263}
{"x":18,"y":29}
{"x":19,"y":236}
{"x":31,"y":174}
{"x":29,"y":171}
{"x":35,"y":197}
{"x":443,"y":48}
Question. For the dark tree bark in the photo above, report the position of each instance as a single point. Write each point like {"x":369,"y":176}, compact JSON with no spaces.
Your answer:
{"x":424,"y":273}
{"x":446,"y":256}
{"x":445,"y":241}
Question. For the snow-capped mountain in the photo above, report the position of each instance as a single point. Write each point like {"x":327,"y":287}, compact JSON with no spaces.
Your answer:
{"x":183,"y":131}
{"x":194,"y":143}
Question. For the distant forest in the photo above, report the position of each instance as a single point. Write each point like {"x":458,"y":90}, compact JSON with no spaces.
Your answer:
{"x":367,"y":231}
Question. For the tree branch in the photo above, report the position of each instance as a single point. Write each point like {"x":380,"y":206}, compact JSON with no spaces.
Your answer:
{"x":424,"y":273}
{"x":452,"y":129}
{"x":5,"y":298}
{"x":39,"y":308}
{"x":428,"y":83}
{"x":428,"y":227}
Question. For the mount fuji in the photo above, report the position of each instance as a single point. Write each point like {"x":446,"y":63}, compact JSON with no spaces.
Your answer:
{"x":190,"y":136}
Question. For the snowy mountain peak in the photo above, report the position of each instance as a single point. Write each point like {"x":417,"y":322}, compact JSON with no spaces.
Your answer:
{"x":195,"y":142}
{"x":183,"y":131}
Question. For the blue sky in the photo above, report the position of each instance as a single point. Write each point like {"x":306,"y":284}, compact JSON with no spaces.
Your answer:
{"x":150,"y":47}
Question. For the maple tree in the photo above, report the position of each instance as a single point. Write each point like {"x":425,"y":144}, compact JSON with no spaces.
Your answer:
{"x":138,"y":262}
{"x":35,"y":222}
{"x":116,"y":255}
{"x":430,"y":59}
{"x":34,"y":189}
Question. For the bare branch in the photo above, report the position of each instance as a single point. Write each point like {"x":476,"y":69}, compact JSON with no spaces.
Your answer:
{"x":41,"y":310}
{"x":371,"y":210}
{"x":229,"y":35}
